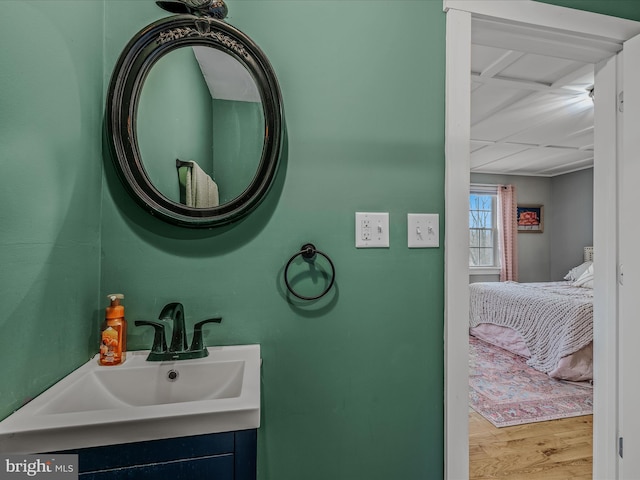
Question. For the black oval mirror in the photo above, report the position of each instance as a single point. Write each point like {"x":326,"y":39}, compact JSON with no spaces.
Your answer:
{"x":194,"y":121}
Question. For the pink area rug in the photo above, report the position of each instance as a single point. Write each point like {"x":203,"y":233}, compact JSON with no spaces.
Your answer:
{"x":506,"y":391}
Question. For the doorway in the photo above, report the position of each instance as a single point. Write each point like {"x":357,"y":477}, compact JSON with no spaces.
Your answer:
{"x":604,"y":36}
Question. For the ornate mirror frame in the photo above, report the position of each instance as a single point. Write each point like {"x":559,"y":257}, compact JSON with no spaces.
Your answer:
{"x":135,"y":62}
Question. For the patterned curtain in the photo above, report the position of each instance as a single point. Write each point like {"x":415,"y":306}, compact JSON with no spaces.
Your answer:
{"x":508,"y":227}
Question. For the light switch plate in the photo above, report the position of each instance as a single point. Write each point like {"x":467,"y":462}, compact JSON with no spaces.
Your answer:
{"x":372,"y":230}
{"x":423,"y":230}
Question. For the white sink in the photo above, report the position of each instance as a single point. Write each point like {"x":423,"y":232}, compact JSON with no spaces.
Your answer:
{"x":140,"y":400}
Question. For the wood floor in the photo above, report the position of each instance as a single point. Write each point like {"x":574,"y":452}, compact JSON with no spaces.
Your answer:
{"x":554,"y":450}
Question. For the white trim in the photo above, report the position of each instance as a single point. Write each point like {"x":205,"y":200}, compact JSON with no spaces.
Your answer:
{"x":478,"y":189}
{"x":483,"y":188}
{"x":456,"y":252}
{"x":629,"y":285}
{"x":491,"y":33}
{"x":546,"y":175}
{"x":578,"y":22}
{"x":605,"y":427}
{"x":457,"y":138}
{"x":484,"y":270}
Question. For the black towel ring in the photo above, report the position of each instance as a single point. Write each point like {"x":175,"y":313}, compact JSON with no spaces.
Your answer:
{"x":308,"y":252}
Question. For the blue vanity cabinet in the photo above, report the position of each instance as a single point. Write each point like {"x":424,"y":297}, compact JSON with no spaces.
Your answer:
{"x":218,"y":456}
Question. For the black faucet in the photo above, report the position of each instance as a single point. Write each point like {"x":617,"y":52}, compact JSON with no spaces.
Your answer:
{"x":175,"y":312}
{"x":178,"y":349}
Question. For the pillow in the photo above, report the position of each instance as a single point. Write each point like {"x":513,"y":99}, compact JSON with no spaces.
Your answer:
{"x":586,"y":279}
{"x":576,"y":272}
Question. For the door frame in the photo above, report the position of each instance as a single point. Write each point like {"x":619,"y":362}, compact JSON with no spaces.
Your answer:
{"x":541,"y":16}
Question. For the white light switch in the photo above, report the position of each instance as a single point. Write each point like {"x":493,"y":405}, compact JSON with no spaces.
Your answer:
{"x":423,"y":230}
{"x":372,"y":230}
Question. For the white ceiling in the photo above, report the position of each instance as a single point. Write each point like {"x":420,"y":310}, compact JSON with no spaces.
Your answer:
{"x":531,"y":113}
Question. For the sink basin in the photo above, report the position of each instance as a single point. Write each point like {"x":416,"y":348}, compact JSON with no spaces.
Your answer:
{"x":140,"y":400}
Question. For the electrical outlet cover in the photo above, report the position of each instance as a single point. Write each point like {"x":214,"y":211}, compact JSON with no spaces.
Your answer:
{"x":372,"y":230}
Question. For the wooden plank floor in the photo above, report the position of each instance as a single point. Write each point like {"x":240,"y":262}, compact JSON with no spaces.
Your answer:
{"x":554,"y":450}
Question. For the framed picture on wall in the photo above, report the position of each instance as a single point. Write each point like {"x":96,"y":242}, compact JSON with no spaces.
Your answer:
{"x":530,"y":218}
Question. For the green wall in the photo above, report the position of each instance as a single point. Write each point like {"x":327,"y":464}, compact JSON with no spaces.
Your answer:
{"x":174,"y":120}
{"x":51,"y":94}
{"x":352,"y":385}
{"x":238,"y":137}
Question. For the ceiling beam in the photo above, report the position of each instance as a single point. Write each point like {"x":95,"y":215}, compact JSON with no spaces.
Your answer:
{"x":561,"y":85}
{"x":520,"y":84}
{"x":527,"y":97}
{"x":528,"y":146}
{"x":559,"y":112}
{"x":505,"y":60}
{"x":567,"y":136}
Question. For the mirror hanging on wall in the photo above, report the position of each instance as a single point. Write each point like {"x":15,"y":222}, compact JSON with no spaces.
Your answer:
{"x":205,"y":140}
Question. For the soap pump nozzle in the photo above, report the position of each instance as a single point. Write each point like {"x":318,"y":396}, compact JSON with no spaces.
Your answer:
{"x":115,"y":309}
{"x":115,"y":298}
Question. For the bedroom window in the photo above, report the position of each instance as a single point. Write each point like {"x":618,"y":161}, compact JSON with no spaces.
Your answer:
{"x":483,"y":227}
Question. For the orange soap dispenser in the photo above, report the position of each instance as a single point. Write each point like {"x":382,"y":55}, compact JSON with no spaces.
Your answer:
{"x":113,"y":339}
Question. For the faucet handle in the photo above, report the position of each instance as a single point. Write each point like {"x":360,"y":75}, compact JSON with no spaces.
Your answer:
{"x":197,"y":343}
{"x":159,"y":340}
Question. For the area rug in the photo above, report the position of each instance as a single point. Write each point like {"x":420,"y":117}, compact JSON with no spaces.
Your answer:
{"x":506,"y":391}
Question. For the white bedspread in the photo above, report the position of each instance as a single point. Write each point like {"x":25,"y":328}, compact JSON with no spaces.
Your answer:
{"x":555,"y":319}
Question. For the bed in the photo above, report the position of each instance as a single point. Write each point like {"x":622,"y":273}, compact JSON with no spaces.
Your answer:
{"x":549,"y":323}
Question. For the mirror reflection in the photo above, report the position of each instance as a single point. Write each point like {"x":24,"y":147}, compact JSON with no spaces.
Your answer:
{"x":200,"y":126}
{"x":194,"y":121}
